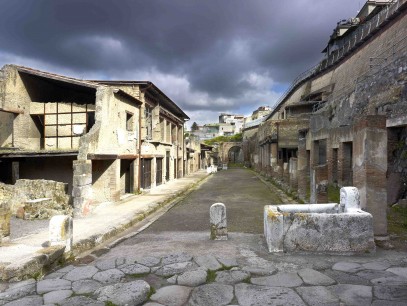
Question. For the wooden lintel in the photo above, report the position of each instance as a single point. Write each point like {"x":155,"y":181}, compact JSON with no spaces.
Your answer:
{"x":12,"y":110}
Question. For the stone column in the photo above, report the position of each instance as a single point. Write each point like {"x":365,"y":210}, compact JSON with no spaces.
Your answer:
{"x":293,"y":166}
{"x":82,"y":186}
{"x":302,"y":166}
{"x":370,"y":167}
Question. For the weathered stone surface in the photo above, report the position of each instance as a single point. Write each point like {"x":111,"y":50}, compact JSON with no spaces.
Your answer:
{"x":106,"y":264}
{"x":347,"y":267}
{"x":259,"y":271}
{"x":211,"y":295}
{"x":55,"y":297}
{"x":153,"y":304}
{"x":176,"y":268}
{"x":346,"y":278}
{"x":80,"y":300}
{"x":374,"y":274}
{"x":54,"y":275}
{"x":281,"y":279}
{"x":61,"y":231}
{"x":171,"y":295}
{"x":192,"y":278}
{"x":228,"y":261}
{"x":109,"y":276}
{"x":376,"y":265}
{"x":391,"y":293}
{"x":85,"y":286}
{"x":48,"y":285}
{"x":172,"y":279}
{"x":231,"y":277}
{"x":387,"y":303}
{"x":18,"y":290}
{"x":353,"y":294}
{"x":132,"y":293}
{"x":79,"y":273}
{"x":312,"y":277}
{"x":66,"y":269}
{"x":217,"y":215}
{"x":208,"y":262}
{"x":398,"y":271}
{"x":318,"y":296}
{"x":149,"y":261}
{"x":175,"y":258}
{"x":33,"y":300}
{"x":135,"y":269}
{"x":389,"y":280}
{"x":248,"y":295}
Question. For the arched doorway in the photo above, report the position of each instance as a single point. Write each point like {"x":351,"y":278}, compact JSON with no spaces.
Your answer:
{"x":235,"y":155}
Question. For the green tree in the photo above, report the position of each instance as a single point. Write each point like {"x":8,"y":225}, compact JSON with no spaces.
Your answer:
{"x":194,"y":126}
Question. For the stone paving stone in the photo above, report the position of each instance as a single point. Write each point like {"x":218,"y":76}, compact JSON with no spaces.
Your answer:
{"x":18,"y":290}
{"x":312,"y":277}
{"x":79,"y":273}
{"x":248,"y":295}
{"x":317,"y":296}
{"x":80,"y":300}
{"x":228,"y":261}
{"x":172,"y":295}
{"x":175,"y":258}
{"x":47,"y":285}
{"x":208,"y":262}
{"x":372,"y":274}
{"x":106,"y":264}
{"x":66,"y":269}
{"x":54,"y":275}
{"x":391,"y":280}
{"x":132,"y":293}
{"x":149,"y":261}
{"x":85,"y":286}
{"x":346,"y":278}
{"x":153,"y":304}
{"x":192,"y":278}
{"x":392,"y":293}
{"x":211,"y":295}
{"x":376,"y":265}
{"x":388,"y":303}
{"x":347,"y":267}
{"x":33,"y":300}
{"x":176,"y":268}
{"x":231,"y":277}
{"x":135,"y":269}
{"x":398,"y":271}
{"x":353,"y":294}
{"x":259,"y":271}
{"x":281,"y":279}
{"x":55,"y":297}
{"x":109,"y":276}
{"x":173,"y":279}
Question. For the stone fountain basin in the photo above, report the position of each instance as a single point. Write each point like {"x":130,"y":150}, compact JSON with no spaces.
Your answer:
{"x":318,"y":228}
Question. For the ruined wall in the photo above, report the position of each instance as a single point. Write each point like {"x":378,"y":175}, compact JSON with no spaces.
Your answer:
{"x":6,"y":129}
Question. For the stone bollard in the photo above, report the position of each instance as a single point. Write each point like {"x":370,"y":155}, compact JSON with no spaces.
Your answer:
{"x":5,"y":214}
{"x":350,"y":199}
{"x":61,"y":231}
{"x":219,"y":230}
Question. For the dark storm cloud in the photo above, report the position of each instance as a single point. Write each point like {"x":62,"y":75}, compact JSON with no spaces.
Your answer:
{"x":212,"y":44}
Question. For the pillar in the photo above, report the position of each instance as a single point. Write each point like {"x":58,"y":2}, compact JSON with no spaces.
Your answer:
{"x":370,"y":167}
{"x":302,"y":166}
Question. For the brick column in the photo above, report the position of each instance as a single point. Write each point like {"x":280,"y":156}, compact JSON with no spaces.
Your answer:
{"x":370,"y":167}
{"x":302,"y":166}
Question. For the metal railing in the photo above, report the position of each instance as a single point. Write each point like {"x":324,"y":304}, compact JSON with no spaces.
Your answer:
{"x":349,"y":43}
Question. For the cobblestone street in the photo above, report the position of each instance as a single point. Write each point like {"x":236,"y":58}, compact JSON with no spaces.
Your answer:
{"x":173,"y":262}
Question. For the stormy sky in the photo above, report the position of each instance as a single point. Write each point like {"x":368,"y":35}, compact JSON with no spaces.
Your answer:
{"x":208,"y":56}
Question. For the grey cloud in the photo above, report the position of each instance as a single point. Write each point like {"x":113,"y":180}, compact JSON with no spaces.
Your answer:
{"x":193,"y":39}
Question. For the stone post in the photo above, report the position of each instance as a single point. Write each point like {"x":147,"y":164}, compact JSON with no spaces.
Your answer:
{"x":61,"y":231}
{"x":370,"y":167}
{"x":302,"y":174}
{"x":82,"y":186}
{"x":350,"y":199}
{"x":219,"y":230}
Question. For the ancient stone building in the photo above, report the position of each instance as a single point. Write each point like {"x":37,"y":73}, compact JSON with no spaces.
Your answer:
{"x":103,"y":139}
{"x":343,"y":123}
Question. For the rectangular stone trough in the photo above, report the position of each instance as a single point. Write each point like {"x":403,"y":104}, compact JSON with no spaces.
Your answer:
{"x":320,"y":228}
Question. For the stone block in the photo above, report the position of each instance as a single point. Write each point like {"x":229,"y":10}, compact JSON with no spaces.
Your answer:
{"x":218,"y":222}
{"x":349,"y":199}
{"x":5,"y":214}
{"x":61,"y":231}
{"x":82,"y":180}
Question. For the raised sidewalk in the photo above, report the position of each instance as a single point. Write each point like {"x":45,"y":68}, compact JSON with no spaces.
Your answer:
{"x":29,"y":256}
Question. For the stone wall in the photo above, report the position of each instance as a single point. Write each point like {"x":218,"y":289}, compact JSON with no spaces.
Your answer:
{"x":40,"y":199}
